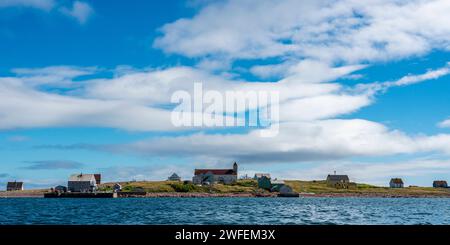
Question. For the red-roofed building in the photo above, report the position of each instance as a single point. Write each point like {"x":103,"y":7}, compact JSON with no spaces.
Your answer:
{"x":225,"y":176}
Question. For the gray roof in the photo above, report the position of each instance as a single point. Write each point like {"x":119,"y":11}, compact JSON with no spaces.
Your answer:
{"x":82,"y":177}
{"x":334,"y":177}
{"x":174,"y":175}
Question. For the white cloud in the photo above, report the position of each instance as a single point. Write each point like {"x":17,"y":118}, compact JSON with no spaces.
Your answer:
{"x":24,"y":107}
{"x":132,"y":98}
{"x":346,"y":30}
{"x":55,"y":76}
{"x":81,"y":11}
{"x":375,"y":87}
{"x":297,"y":142}
{"x":46,"y":5}
{"x":444,"y":124}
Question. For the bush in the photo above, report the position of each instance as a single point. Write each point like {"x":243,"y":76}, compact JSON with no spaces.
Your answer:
{"x":246,"y":183}
{"x":180,"y":187}
{"x":127,"y":188}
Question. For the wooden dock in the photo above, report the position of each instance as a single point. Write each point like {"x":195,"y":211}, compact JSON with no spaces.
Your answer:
{"x":80,"y":195}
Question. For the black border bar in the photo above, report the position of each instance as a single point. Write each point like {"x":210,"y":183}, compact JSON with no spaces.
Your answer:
{"x":270,"y":233}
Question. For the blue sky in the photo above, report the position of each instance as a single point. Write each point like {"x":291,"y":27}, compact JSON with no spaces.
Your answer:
{"x":364,"y":90}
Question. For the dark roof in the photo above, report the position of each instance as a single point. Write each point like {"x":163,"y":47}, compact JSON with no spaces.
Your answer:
{"x":215,"y":171}
{"x":174,"y":175}
{"x":397,"y":181}
{"x":334,"y":177}
{"x":440,"y":182}
{"x":98,"y":178}
{"x":14,"y":185}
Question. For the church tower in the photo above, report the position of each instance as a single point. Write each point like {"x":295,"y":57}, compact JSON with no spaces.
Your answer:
{"x":235,"y":167}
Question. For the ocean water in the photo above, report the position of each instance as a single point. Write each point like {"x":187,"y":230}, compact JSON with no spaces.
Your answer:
{"x":225,"y":211}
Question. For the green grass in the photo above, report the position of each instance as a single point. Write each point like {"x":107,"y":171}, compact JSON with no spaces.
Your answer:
{"x":320,"y":187}
{"x":242,"y":186}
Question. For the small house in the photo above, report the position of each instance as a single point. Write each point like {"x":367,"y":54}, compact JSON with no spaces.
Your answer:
{"x":174,"y":177}
{"x":276,"y":185}
{"x":338,"y":181}
{"x":82,"y":183}
{"x":264,"y":183}
{"x":260,"y":175}
{"x":117,"y":187}
{"x":440,"y":184}
{"x":396,"y":183}
{"x":14,"y":186}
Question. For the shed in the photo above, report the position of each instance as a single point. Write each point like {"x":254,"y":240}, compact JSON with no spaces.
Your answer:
{"x":396,"y":183}
{"x":440,"y":184}
{"x":174,"y":177}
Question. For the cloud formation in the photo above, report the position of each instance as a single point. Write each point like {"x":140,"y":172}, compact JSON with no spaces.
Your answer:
{"x":339,"y":31}
{"x":54,"y":164}
{"x":444,"y":124}
{"x":80,"y":11}
{"x":46,"y":5}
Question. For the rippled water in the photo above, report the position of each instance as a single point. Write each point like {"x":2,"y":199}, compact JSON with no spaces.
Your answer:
{"x":226,"y":211}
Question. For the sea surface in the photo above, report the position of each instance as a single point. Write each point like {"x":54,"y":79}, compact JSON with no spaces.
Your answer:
{"x":225,"y":211}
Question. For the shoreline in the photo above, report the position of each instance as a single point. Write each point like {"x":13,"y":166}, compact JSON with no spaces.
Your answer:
{"x":242,"y":195}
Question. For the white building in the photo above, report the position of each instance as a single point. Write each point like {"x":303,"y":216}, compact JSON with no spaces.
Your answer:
{"x":225,"y":176}
{"x":82,"y":183}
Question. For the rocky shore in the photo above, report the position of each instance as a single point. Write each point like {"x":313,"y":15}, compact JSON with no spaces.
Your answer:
{"x":375,"y":195}
{"x":200,"y":195}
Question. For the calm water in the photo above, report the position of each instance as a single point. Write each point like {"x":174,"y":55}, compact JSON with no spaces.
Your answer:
{"x":225,"y":211}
